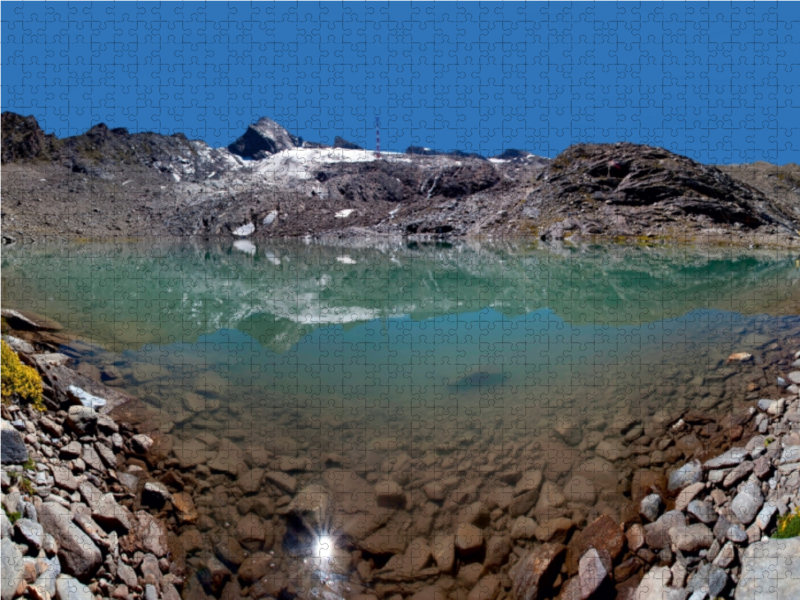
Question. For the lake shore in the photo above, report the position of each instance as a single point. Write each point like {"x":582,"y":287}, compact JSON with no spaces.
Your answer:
{"x":525,"y":545}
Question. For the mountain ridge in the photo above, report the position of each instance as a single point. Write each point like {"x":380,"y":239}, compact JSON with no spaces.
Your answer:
{"x":271,"y":183}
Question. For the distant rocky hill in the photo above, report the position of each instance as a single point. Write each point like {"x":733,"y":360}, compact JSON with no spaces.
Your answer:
{"x":271,"y":183}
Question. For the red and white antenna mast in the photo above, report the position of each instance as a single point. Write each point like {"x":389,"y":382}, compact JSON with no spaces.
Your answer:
{"x":377,"y":137}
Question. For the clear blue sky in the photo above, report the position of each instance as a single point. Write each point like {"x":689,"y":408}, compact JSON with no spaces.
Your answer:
{"x":719,"y":82}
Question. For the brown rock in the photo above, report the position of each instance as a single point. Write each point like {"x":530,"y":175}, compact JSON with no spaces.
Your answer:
{"x":283,"y":481}
{"x":635,"y":537}
{"x":469,"y":574}
{"x":184,"y":506}
{"x":555,"y":530}
{"x":580,"y":489}
{"x":444,"y":552}
{"x":250,"y":480}
{"x":486,"y":588}
{"x":535,"y":573}
{"x":627,"y":568}
{"x":255,"y":567}
{"x":253,"y":534}
{"x":497,"y":550}
{"x":468,"y":538}
{"x":603,"y":534}
{"x":76,"y":551}
{"x":146,"y":535}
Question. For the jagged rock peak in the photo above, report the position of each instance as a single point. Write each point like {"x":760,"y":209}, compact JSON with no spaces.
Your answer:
{"x":263,"y":138}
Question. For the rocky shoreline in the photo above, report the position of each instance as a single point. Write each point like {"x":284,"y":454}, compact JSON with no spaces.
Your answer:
{"x":104,"y":506}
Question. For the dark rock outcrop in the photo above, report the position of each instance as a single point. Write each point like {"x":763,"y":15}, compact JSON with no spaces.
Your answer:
{"x":629,"y":189}
{"x":263,"y":138}
{"x":339,"y":142}
{"x":23,"y":139}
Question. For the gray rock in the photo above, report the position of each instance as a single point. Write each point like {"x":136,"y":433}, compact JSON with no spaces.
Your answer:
{"x":790,"y":454}
{"x":29,"y":532}
{"x":69,"y":588}
{"x":78,"y":554}
{"x":770,"y":570}
{"x":126,"y":574}
{"x":12,"y":446}
{"x":47,"y":578}
{"x":650,"y":507}
{"x":592,"y":573}
{"x":71,"y":450}
{"x":738,"y":473}
{"x":11,"y":572}
{"x":765,"y":404}
{"x":726,"y":556}
{"x":747,"y":503}
{"x":155,"y":494}
{"x":702,"y":511}
{"x":691,"y":538}
{"x":82,"y":419}
{"x":141,"y":444}
{"x":49,"y":544}
{"x":736,"y":533}
{"x":7,"y":528}
{"x":731,"y":458}
{"x":150,"y":592}
{"x":765,"y":516}
{"x":690,"y":473}
{"x":709,"y":579}
{"x":717,"y":581}
{"x":12,"y":502}
{"x":655,"y":586}
{"x":64,"y":478}
{"x":656,"y":535}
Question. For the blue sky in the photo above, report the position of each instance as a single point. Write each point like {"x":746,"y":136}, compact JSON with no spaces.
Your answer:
{"x":718,"y":82}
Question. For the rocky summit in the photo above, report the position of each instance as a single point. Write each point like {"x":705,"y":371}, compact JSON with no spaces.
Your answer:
{"x":271,"y":183}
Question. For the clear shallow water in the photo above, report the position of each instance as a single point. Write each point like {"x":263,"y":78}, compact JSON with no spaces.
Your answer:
{"x":473,"y":361}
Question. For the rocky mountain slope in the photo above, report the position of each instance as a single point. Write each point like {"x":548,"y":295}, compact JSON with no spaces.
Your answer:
{"x":270,"y":183}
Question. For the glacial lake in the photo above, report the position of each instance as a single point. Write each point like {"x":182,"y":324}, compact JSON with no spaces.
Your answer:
{"x":461,"y":365}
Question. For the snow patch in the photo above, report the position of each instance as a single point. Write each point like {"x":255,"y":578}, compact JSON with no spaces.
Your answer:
{"x":268,"y":220}
{"x":245,"y":246}
{"x":343,"y":214}
{"x":345,"y":260}
{"x":86,"y":398}
{"x":244,"y":230}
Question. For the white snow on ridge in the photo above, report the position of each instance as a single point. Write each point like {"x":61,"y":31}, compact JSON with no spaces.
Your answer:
{"x":343,"y":214}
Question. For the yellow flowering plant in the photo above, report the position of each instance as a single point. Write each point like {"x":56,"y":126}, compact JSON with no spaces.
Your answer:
{"x":19,"y":380}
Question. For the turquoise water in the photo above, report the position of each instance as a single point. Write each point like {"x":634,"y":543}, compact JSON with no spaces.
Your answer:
{"x":471,"y":359}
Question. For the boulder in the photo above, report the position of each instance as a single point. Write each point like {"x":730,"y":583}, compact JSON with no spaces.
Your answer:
{"x":534,"y":574}
{"x":12,"y":568}
{"x":12,"y":446}
{"x":69,"y":588}
{"x":770,"y":569}
{"x":78,"y":554}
